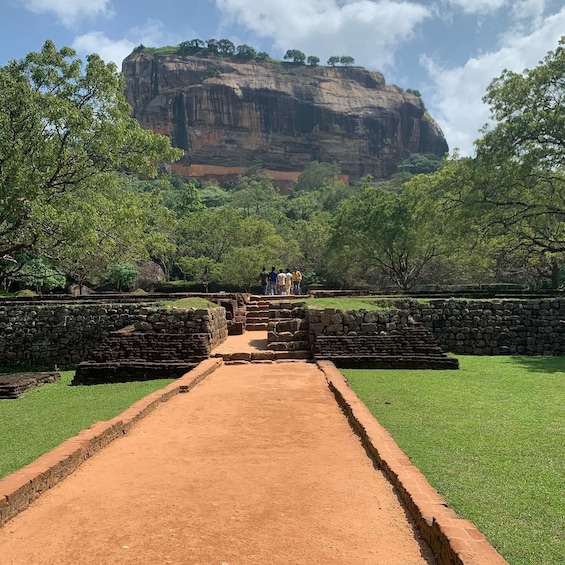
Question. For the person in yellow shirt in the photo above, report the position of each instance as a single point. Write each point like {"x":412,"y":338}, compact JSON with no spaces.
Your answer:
{"x":296,"y":280}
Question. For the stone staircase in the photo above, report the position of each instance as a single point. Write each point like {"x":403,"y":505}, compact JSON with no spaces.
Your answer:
{"x":257,"y":318}
{"x":287,"y":334}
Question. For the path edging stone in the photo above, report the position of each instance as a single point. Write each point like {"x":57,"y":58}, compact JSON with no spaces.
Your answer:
{"x":20,"y":488}
{"x":453,"y":540}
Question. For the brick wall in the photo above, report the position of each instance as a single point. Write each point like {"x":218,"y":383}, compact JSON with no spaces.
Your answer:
{"x":49,"y":334}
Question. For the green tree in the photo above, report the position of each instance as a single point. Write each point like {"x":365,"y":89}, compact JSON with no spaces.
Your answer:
{"x":312,"y":236}
{"x":528,"y":112}
{"x":64,"y":129}
{"x":226,"y":47}
{"x":378,"y":230}
{"x":245,"y":52}
{"x":210,"y":233}
{"x":256,"y":195}
{"x":441,"y":207}
{"x":36,"y":273}
{"x":213,"y":196}
{"x":517,"y":193}
{"x":317,"y":188}
{"x":333,"y":60}
{"x":314,"y":175}
{"x":202,"y":269}
{"x":242,"y":266}
{"x":418,"y":163}
{"x":313,"y":60}
{"x":347,"y":61}
{"x":262,"y":56}
{"x":212,"y":46}
{"x":115,"y":223}
{"x":121,"y":275}
{"x":296,"y":56}
{"x":197,"y":44}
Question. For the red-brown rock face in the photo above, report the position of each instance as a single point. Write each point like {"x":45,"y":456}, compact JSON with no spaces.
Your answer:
{"x":226,"y":113}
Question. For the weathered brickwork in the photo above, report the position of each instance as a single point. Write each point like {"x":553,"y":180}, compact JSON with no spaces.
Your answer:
{"x":48,"y":335}
{"x":412,"y":347}
{"x":287,"y":330}
{"x":522,"y":327}
{"x":14,"y":386}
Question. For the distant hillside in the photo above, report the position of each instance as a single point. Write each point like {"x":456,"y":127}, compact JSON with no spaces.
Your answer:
{"x":229,"y":113}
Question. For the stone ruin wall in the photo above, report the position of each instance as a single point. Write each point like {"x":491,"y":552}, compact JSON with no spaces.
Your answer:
{"x":505,"y":327}
{"x":46,"y":335}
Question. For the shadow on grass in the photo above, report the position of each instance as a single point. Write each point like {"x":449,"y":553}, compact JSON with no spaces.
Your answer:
{"x":540,"y":364}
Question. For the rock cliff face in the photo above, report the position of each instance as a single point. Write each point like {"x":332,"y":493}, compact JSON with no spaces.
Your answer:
{"x":228,"y":115}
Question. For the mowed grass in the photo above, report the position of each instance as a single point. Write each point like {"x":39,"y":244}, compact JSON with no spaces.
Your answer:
{"x":345,"y":303}
{"x":46,"y":416}
{"x":490,"y":438}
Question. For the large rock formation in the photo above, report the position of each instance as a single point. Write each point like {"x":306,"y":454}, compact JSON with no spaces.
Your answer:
{"x":229,"y":114}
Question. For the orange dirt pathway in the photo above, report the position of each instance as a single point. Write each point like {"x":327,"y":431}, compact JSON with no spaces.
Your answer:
{"x":255,"y":465}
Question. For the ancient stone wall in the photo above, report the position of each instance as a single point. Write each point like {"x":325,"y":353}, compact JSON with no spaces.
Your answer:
{"x":411,"y":347}
{"x":45,"y":335}
{"x":523,"y":327}
{"x":288,"y":329}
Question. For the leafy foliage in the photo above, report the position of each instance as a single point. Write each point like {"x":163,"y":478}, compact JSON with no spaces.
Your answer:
{"x":296,"y":56}
{"x":65,"y":129}
{"x":121,"y":275}
{"x":378,"y":230}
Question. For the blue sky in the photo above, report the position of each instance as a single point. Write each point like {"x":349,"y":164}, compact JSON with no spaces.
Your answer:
{"x":449,"y":50}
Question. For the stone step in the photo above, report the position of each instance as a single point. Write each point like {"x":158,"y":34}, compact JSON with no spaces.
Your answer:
{"x":264,"y":356}
{"x":256,"y":326}
{"x":258,"y":314}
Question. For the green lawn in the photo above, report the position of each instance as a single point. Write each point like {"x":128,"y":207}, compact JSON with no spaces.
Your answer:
{"x":345,"y":303}
{"x":46,"y":416}
{"x":490,"y":438}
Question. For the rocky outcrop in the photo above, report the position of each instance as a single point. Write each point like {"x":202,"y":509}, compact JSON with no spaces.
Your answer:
{"x":231,"y":114}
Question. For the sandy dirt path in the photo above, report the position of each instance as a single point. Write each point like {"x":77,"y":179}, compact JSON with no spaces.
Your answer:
{"x":256,"y":465}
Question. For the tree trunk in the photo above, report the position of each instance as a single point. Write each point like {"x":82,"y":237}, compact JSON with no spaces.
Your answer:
{"x":554,"y":274}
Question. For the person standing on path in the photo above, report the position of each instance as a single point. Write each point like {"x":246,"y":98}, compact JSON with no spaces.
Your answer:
{"x":288,"y":281}
{"x":272,"y":281}
{"x":264,"y":278}
{"x":296,"y":280}
{"x":281,"y":282}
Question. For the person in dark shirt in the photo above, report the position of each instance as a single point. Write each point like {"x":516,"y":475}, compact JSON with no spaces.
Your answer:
{"x":264,"y":278}
{"x":273,"y":281}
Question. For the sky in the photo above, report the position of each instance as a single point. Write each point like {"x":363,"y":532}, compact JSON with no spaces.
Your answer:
{"x":449,"y":50}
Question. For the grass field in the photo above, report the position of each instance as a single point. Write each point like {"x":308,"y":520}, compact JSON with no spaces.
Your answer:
{"x":370,"y":303}
{"x":491,"y":439}
{"x":45,"y":417}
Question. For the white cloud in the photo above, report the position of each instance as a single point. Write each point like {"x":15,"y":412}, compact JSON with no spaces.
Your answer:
{"x":365,"y":29}
{"x":480,"y":6}
{"x":108,"y":49}
{"x":456,"y":93}
{"x":529,"y":9}
{"x":152,"y":34}
{"x":70,"y":11}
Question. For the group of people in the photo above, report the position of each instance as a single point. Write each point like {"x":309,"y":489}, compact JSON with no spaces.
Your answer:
{"x":282,"y":282}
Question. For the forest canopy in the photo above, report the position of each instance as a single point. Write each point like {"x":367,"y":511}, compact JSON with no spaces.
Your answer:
{"x":84,"y":197}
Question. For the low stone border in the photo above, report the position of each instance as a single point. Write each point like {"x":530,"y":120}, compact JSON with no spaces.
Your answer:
{"x":22,"y":487}
{"x":15,"y":385}
{"x":453,"y":540}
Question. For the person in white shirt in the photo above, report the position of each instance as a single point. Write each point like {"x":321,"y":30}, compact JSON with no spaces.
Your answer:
{"x":281,"y":282}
